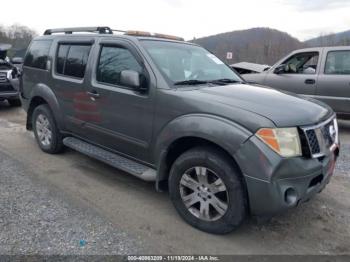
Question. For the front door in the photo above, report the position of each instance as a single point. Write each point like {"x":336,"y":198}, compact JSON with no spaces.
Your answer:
{"x":125,"y":115}
{"x":297,"y":74}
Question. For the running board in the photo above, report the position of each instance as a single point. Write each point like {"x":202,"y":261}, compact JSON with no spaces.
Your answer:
{"x":141,"y":171}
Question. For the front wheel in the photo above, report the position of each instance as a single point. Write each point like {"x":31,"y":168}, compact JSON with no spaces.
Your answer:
{"x":45,"y":130}
{"x":207,"y":191}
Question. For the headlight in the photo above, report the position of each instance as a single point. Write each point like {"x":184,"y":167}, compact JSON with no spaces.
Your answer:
{"x":284,"y":141}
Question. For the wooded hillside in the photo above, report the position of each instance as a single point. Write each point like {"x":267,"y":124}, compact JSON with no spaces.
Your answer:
{"x":263,"y":45}
{"x":18,"y":36}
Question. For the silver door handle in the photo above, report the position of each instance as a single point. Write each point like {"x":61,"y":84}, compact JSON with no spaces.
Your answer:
{"x":93,"y":94}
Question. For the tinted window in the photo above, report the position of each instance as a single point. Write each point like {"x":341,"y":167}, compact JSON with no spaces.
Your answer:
{"x":112,"y":61}
{"x":338,"y":63}
{"x":76,"y":60}
{"x":61,"y":58}
{"x":71,"y":60}
{"x":38,"y":54}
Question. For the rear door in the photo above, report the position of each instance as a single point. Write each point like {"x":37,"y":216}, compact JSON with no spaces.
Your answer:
{"x":334,"y":79}
{"x":69,"y":81}
{"x":297,"y":74}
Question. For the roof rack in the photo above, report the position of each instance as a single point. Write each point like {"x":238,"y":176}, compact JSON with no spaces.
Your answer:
{"x":71,"y":30}
{"x":108,"y":30}
{"x":157,"y":35}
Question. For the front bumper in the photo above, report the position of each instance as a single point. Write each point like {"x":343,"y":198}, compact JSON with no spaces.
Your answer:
{"x":275,"y":184}
{"x":7,"y":91}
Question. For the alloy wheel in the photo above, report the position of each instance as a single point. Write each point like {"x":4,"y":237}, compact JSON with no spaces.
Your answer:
{"x":43,"y":130}
{"x":204,"y":193}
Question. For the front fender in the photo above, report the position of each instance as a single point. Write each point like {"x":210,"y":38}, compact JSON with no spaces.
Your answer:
{"x":44,"y":92}
{"x":223,"y":132}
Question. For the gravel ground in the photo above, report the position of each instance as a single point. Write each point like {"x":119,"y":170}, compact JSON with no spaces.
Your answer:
{"x":36,"y":219}
{"x":71,"y":204}
{"x":343,"y":163}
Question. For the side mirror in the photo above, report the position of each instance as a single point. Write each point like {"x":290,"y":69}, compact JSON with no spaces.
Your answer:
{"x":17,"y":60}
{"x":280,"y":69}
{"x":132,"y":79}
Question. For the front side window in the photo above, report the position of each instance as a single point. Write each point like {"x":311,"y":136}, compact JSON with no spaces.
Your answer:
{"x":71,"y":59}
{"x":112,"y":61}
{"x":302,"y":63}
{"x":338,"y":63}
{"x":38,"y":54}
{"x":184,"y":62}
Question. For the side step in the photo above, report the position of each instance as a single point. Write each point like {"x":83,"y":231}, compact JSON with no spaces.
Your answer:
{"x":117,"y":161}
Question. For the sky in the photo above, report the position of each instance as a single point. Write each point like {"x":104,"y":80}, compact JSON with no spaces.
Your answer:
{"x":303,"y":19}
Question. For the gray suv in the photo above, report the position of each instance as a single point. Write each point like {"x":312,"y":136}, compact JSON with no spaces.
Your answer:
{"x":169,"y":111}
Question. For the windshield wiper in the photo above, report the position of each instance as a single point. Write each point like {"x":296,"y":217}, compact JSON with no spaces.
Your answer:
{"x":200,"y":82}
{"x":225,"y":81}
{"x":190,"y":82}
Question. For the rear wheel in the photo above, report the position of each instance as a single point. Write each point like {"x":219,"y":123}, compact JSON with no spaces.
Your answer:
{"x":14,"y":102}
{"x":207,"y":191}
{"x":45,"y":130}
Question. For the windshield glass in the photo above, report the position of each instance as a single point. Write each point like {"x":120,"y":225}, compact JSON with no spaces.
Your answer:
{"x":187,"y":63}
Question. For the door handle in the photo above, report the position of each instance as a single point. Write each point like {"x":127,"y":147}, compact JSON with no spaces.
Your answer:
{"x":310,"y":81}
{"x":93,"y":94}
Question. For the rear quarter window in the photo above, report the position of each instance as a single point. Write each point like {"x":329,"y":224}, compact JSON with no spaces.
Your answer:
{"x":37,"y":54}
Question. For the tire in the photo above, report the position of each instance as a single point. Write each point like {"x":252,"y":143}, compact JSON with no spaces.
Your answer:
{"x":14,"y":102}
{"x":229,"y":212}
{"x":45,"y":130}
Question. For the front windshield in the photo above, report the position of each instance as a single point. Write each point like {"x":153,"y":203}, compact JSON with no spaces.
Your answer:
{"x":183,"y":62}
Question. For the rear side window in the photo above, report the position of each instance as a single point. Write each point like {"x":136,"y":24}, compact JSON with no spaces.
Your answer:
{"x":338,"y":63}
{"x":38,"y":54}
{"x":112,"y":61}
{"x":71,"y":59}
{"x":61,"y":58}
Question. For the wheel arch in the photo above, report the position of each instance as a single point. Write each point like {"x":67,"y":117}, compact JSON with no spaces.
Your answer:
{"x":191,"y":131}
{"x":42,"y":94}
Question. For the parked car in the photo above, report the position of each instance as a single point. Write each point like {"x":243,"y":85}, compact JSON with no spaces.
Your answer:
{"x":170,"y":112}
{"x":9,"y":72}
{"x":322,"y":73}
{"x":249,"y":68}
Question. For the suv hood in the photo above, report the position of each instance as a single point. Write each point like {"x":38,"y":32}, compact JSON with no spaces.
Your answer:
{"x":282,"y":108}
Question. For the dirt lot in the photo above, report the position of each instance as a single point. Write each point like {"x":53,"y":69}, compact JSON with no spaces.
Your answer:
{"x":146,"y":219}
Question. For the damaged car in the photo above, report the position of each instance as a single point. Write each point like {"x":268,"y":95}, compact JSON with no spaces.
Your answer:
{"x":9,"y":76}
{"x":322,"y":73}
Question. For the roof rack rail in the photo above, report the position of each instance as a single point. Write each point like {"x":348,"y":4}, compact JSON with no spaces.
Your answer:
{"x":71,"y":30}
{"x":109,"y":31}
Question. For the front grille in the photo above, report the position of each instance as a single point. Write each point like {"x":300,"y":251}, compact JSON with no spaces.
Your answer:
{"x":3,"y":77}
{"x":313,"y":142}
{"x":321,"y":137}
